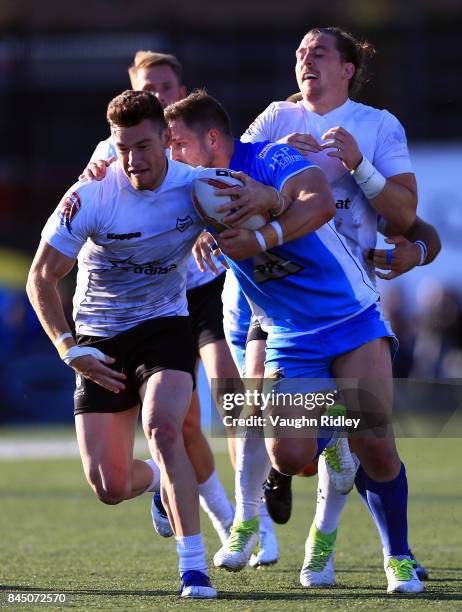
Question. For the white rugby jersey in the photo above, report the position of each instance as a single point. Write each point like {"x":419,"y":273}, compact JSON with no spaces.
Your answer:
{"x":195,"y":278}
{"x":380,"y":138}
{"x":132,"y":248}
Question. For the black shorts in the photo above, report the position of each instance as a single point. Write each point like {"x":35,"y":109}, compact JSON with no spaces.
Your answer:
{"x":255,"y":331}
{"x":206,"y":312}
{"x":158,"y":344}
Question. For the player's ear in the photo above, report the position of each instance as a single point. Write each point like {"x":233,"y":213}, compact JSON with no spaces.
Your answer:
{"x":213,"y":137}
{"x":349,"y":70}
{"x":183,"y":91}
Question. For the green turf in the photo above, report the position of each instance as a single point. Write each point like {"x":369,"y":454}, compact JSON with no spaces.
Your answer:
{"x":55,"y":536}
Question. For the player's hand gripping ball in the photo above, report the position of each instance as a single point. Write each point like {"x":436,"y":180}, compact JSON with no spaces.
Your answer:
{"x":206,"y":201}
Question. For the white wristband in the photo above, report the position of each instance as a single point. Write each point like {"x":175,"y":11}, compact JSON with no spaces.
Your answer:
{"x":80,"y":351}
{"x":423,"y":251}
{"x":62,"y":337}
{"x":261,"y":240}
{"x":278,"y":229}
{"x":368,"y":178}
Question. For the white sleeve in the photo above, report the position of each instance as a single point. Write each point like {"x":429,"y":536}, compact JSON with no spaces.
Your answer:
{"x":391,"y":156}
{"x":104,"y":150}
{"x":260,"y":130}
{"x":73,"y":221}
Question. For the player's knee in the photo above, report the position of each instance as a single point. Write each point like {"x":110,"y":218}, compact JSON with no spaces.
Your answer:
{"x":291,"y":461}
{"x":165,"y":434}
{"x":379,"y":457}
{"x":110,"y":492}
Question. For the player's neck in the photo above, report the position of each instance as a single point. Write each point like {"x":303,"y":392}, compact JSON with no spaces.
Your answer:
{"x":324,"y":105}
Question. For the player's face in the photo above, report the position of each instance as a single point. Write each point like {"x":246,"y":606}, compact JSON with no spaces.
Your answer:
{"x":141,"y":151}
{"x":188,"y":146}
{"x":163,"y":83}
{"x":320,"y":69}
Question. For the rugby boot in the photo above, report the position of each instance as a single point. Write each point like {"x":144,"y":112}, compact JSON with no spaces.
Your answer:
{"x":277,"y":493}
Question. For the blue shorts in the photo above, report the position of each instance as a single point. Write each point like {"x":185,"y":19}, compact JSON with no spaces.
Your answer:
{"x":310,"y":355}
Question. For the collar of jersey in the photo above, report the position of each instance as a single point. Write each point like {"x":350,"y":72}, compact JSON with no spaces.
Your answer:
{"x":338,"y":112}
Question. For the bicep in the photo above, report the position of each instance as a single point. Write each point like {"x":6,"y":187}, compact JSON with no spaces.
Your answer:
{"x":407,"y":180}
{"x":50,"y":264}
{"x":311,"y":181}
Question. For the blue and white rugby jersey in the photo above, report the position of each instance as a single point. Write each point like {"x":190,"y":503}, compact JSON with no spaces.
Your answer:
{"x":132,"y":248}
{"x":305,"y":285}
{"x":380,"y":137}
{"x":195,"y":278}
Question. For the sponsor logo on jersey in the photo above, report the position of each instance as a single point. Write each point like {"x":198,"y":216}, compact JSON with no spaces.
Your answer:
{"x":272,"y":267}
{"x":70,"y":206}
{"x":265,"y":150}
{"x":343,"y":204}
{"x":150,"y":268}
{"x":123,"y":236}
{"x":285,"y":156}
{"x":183,"y":224}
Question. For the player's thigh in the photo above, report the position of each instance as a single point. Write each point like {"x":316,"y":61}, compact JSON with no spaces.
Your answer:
{"x":217,"y":360}
{"x":365,"y":376}
{"x":106,"y":443}
{"x":166,"y":397}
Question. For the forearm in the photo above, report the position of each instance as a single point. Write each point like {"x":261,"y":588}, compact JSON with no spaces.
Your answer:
{"x":304,"y":215}
{"x":397,"y":204}
{"x":44,"y":297}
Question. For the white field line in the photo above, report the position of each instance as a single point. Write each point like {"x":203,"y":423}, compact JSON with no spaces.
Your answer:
{"x":25,"y":448}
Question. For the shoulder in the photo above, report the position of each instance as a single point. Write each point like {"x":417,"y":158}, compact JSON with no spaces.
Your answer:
{"x":370,"y":113}
{"x":181,"y":174}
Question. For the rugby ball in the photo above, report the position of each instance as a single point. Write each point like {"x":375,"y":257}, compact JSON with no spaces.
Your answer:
{"x":206,"y":202}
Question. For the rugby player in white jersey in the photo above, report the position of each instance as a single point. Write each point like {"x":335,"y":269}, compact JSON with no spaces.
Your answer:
{"x":132,"y":234}
{"x":364,"y":154}
{"x":162,"y":75}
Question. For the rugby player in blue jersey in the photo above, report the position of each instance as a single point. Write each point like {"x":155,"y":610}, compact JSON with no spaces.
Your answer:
{"x":324,"y":299}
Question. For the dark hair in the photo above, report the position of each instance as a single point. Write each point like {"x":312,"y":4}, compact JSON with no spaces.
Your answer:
{"x":132,"y":107}
{"x":351,"y":50}
{"x":199,"y":110}
{"x":147,"y":59}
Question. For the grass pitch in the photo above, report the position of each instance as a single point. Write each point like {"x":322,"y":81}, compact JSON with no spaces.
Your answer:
{"x":56,"y":537}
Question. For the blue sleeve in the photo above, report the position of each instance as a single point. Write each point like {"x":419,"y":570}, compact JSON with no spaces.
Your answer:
{"x":280,"y":162}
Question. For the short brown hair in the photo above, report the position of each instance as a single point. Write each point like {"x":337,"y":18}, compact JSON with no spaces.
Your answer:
{"x":146,"y":59}
{"x":200,"y":110}
{"x":351,"y":50}
{"x":132,"y":107}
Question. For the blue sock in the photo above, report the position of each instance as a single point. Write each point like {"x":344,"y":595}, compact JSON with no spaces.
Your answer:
{"x":361,"y":486}
{"x":387,"y":502}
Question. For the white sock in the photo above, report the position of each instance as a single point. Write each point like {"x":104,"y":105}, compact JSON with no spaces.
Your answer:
{"x":155,"y":483}
{"x":215,"y":502}
{"x":266,"y":524}
{"x":252,"y":467}
{"x":191,"y":553}
{"x":329,"y":503}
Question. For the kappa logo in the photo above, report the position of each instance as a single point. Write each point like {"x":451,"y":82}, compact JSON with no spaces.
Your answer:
{"x":183,"y":224}
{"x":69,"y":209}
{"x":128,"y":236}
{"x":271,"y":267}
